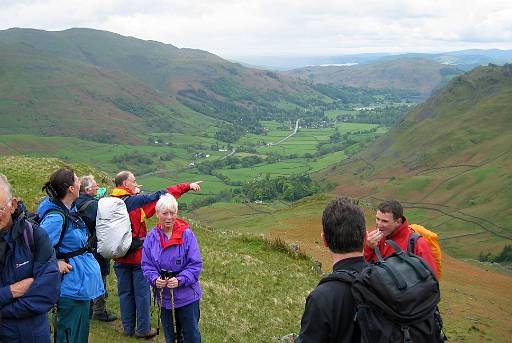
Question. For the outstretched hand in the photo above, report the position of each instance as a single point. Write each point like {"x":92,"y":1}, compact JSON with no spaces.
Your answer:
{"x":195,"y":186}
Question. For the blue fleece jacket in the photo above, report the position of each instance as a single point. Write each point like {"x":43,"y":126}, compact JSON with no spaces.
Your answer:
{"x":25,"y":319}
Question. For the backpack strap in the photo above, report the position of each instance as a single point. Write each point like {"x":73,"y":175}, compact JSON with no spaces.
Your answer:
{"x":342,"y":275}
{"x":85,"y":205}
{"x":91,"y":240}
{"x":131,"y":224}
{"x":28,"y":236}
{"x":67,"y":256}
{"x":412,"y":242}
{"x":64,"y":225}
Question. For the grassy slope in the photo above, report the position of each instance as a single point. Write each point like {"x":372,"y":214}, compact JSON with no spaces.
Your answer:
{"x":74,"y":78}
{"x":475,"y":304}
{"x":252,"y":291}
{"x":449,"y":161}
{"x":417,"y":74}
{"x":50,"y":95}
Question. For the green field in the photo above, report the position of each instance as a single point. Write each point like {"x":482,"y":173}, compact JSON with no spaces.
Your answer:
{"x":169,"y":158}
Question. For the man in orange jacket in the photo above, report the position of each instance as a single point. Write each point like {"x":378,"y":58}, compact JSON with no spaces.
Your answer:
{"x":391,"y":224}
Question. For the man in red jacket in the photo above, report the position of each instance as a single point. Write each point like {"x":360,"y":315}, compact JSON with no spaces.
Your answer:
{"x":133,"y":290}
{"x":391,"y":224}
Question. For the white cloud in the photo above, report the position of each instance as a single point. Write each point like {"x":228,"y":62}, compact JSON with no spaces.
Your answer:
{"x":281,"y":27}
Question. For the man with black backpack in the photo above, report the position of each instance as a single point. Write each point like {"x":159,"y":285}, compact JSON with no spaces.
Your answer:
{"x":330,"y":308}
{"x":29,"y":275}
{"x":87,"y":207}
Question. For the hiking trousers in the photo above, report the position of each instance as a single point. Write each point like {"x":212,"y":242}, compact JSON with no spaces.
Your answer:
{"x":134,"y":298}
{"x":72,"y":320}
{"x":187,"y":322}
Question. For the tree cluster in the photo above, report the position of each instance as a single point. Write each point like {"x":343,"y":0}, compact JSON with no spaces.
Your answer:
{"x":505,"y":256}
{"x":290,"y":188}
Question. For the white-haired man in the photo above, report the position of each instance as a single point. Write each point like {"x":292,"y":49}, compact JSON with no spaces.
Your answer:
{"x":87,"y":206}
{"x":29,"y":275}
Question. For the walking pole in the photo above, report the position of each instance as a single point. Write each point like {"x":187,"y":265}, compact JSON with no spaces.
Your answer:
{"x":173,"y":317}
{"x":159,"y":315}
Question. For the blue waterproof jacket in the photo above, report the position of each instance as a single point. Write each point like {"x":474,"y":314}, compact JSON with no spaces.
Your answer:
{"x":84,"y":281}
{"x":25,"y":319}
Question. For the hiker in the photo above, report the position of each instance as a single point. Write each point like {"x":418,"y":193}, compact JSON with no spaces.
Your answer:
{"x":391,"y":224}
{"x":329,"y":311}
{"x":171,"y":263}
{"x":87,"y":206}
{"x":133,"y":290}
{"x":29,"y":275}
{"x":81,"y":278}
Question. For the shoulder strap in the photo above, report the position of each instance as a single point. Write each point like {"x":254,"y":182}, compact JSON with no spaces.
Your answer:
{"x":85,"y":205}
{"x":28,"y":236}
{"x":412,"y":241}
{"x":64,"y":224}
{"x":344,"y":275}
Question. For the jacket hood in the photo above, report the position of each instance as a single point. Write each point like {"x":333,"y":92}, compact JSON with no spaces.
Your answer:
{"x":400,"y":230}
{"x":18,"y":220}
{"x":177,"y":233}
{"x":46,"y":205}
{"x":121,"y":192}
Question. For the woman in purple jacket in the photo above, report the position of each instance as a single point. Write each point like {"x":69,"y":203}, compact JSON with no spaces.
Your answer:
{"x":171,"y":263}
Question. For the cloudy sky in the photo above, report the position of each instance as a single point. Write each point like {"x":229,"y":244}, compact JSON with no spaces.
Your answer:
{"x":236,"y":28}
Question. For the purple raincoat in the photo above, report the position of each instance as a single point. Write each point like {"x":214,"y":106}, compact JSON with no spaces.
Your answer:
{"x":182,"y":258}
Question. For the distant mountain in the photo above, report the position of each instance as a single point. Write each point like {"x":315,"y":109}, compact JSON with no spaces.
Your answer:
{"x":414,"y":74}
{"x":65,"y":81}
{"x":463,"y":59}
{"x":283,"y":63}
{"x":449,"y":161}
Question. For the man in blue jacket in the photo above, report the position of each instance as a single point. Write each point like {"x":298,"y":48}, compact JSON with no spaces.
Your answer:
{"x":29,"y":276}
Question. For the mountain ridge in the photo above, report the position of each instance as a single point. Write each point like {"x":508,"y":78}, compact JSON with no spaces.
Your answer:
{"x":416,"y":74}
{"x":448,"y":160}
{"x":154,"y":84}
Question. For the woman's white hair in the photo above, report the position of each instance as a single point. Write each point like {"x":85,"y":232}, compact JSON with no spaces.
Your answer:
{"x":166,"y":202}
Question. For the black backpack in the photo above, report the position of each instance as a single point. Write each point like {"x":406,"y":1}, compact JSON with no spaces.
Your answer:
{"x":397,"y":299}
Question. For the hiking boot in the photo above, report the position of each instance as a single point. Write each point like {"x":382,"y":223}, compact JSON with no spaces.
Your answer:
{"x":150,"y":334}
{"x":104,"y":316}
